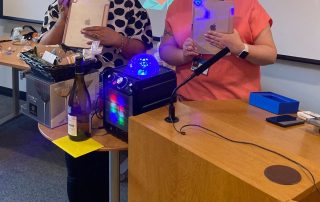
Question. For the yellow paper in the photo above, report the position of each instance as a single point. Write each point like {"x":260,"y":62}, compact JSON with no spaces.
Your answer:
{"x":77,"y":149}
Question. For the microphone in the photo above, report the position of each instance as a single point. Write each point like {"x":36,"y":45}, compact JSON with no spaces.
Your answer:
{"x":172,"y":117}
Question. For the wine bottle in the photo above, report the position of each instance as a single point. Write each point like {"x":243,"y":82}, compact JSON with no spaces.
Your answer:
{"x":79,"y":107}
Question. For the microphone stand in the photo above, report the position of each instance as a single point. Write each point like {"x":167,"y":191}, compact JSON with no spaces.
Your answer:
{"x":171,"y":118}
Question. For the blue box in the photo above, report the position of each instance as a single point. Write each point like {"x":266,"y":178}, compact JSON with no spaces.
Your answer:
{"x":273,"y":102}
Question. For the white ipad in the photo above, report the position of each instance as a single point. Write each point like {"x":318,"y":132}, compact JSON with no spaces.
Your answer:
{"x":84,"y":13}
{"x":211,"y":15}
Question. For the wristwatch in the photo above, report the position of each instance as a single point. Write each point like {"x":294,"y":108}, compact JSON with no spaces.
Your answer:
{"x":245,"y":52}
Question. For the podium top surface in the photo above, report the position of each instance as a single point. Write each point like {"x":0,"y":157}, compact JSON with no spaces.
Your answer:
{"x":239,"y":121}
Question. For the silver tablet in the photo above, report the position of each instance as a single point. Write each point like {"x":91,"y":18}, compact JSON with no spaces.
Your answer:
{"x":211,"y":15}
{"x":84,"y":13}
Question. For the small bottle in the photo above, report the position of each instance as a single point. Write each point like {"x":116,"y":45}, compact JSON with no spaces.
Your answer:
{"x":79,"y":107}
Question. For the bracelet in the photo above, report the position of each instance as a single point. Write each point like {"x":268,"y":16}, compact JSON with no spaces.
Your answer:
{"x":124,"y":42}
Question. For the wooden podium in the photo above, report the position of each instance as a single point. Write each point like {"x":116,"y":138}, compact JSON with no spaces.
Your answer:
{"x":166,"y":166}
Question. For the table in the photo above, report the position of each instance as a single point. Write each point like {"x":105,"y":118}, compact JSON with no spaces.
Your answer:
{"x":110,"y":143}
{"x":16,"y":65}
{"x":200,"y":166}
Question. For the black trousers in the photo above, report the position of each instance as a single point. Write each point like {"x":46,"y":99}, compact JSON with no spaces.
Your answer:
{"x":88,"y":177}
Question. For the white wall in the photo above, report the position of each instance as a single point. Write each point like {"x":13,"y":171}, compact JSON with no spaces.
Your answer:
{"x":5,"y":72}
{"x":25,"y":8}
{"x":296,"y":26}
{"x":295,"y":80}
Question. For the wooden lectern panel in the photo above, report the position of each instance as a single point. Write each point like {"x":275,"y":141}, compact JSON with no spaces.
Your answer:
{"x":167,"y":166}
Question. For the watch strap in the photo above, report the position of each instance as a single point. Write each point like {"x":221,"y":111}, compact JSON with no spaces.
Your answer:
{"x":245,"y":52}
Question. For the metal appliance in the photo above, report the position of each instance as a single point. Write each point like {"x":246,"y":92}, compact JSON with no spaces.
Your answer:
{"x":47,"y":101}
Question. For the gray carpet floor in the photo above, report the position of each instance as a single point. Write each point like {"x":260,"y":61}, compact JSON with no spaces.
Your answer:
{"x":32,"y":168}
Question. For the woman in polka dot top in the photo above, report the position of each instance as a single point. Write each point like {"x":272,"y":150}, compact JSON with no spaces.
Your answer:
{"x":128,"y":29}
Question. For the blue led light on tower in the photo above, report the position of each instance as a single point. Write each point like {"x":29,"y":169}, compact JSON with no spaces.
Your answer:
{"x":143,"y":65}
{"x":232,"y":11}
{"x":197,"y":2}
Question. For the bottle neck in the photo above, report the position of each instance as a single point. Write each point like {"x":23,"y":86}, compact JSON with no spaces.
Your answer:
{"x":79,"y":77}
{"x":79,"y":71}
{"x":79,"y":66}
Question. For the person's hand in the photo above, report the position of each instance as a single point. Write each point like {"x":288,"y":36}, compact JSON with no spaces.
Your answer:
{"x":106,"y":35}
{"x":189,"y":49}
{"x":221,"y":40}
{"x":64,"y":7}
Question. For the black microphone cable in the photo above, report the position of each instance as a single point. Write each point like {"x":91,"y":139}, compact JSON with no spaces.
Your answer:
{"x":214,"y":133}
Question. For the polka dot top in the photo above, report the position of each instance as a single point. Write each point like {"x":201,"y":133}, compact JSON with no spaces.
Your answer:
{"x":126,"y":17}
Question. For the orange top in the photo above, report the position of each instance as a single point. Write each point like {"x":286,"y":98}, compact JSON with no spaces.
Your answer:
{"x":230,"y":77}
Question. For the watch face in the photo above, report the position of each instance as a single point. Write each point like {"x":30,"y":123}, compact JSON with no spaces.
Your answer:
{"x":243,"y":54}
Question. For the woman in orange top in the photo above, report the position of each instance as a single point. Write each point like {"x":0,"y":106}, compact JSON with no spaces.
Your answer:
{"x":232,"y":77}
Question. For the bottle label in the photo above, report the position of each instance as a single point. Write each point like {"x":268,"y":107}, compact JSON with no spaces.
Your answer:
{"x":72,"y":125}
